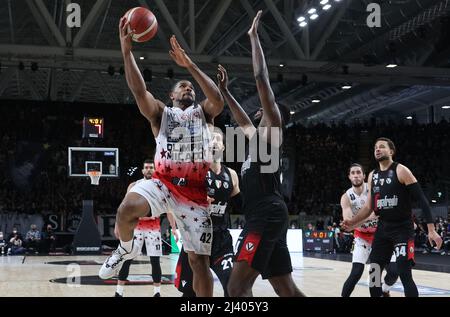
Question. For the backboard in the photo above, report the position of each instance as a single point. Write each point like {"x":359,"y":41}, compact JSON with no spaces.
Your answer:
{"x":84,"y":159}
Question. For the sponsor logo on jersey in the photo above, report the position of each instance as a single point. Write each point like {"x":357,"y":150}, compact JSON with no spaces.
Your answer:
{"x":387,"y":203}
{"x":225,"y":185}
{"x":388,"y":181}
{"x":249,"y":246}
{"x":218,"y":183}
{"x":382,"y":181}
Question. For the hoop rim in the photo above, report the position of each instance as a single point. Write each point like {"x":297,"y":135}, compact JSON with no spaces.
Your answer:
{"x":94,"y":173}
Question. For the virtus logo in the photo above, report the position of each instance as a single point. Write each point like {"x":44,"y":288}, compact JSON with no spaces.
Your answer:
{"x":374,"y":18}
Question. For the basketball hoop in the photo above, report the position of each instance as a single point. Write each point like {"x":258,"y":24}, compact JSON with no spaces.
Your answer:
{"x":95,"y":177}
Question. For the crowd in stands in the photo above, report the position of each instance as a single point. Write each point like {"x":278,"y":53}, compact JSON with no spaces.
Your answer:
{"x":35,"y":241}
{"x":324,"y":154}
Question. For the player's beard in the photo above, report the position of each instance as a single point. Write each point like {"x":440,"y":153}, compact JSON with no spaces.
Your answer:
{"x":382,"y":158}
{"x":186,"y":102}
{"x":358,"y":185}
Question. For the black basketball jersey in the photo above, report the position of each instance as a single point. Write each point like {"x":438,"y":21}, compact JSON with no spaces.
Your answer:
{"x":258,"y":186}
{"x":390,"y":198}
{"x":219,"y":187}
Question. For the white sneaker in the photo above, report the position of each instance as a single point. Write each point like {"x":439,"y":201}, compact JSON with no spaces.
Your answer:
{"x":113,"y":263}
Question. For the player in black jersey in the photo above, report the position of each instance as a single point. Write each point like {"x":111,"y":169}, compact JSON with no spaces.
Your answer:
{"x":223,"y":187}
{"x":391,"y":188}
{"x":262,"y":247}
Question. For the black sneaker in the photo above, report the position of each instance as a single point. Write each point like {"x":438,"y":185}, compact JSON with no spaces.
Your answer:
{"x":386,"y":294}
{"x":117,"y":295}
{"x":157,"y":295}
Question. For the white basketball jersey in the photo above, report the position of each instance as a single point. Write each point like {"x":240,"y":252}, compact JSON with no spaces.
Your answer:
{"x":357,"y":202}
{"x":183,"y":153}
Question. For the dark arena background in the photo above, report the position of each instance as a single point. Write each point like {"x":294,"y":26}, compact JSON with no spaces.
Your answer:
{"x":350,"y":71}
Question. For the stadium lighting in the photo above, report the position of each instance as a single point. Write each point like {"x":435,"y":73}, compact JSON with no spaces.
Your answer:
{"x":312,"y":11}
{"x":315,"y":100}
{"x":323,"y":2}
{"x":314,"y":16}
{"x":408,"y":118}
{"x":292,"y":112}
{"x":445,"y":107}
{"x":303,"y":24}
{"x":326,"y":7}
{"x":301,"y":19}
{"x":391,"y":65}
{"x":346,"y":87}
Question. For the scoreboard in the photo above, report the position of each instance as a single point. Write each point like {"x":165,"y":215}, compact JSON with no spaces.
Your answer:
{"x":318,"y":240}
{"x":93,"y":127}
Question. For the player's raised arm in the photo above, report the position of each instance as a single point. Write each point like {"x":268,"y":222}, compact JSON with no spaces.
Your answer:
{"x":238,"y":113}
{"x":271,"y":113}
{"x":149,"y":106}
{"x":213,"y":105}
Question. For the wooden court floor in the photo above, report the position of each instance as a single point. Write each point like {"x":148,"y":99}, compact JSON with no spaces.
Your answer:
{"x":32,"y":276}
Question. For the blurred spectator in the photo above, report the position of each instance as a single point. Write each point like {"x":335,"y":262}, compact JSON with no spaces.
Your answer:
{"x":33,"y":239}
{"x":320,"y":225}
{"x":15,"y":246}
{"x":14,"y":233}
{"x":3,"y":244}
{"x":48,"y":239}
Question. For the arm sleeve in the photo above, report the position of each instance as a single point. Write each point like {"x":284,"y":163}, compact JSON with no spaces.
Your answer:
{"x":416,"y":193}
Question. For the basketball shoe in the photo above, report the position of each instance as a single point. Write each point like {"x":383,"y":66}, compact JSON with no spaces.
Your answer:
{"x":113,"y":263}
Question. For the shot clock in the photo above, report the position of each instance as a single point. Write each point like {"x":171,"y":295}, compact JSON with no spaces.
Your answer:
{"x":93,"y":128}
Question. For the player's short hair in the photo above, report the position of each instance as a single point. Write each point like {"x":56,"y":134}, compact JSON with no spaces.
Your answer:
{"x":356,"y":165}
{"x":148,"y":161}
{"x":389,"y":142}
{"x":175,"y":85}
{"x":219,"y":131}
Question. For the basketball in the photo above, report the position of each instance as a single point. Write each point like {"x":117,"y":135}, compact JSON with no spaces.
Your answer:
{"x":144,"y":22}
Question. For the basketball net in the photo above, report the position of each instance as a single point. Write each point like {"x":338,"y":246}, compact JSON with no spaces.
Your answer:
{"x":95,"y":177}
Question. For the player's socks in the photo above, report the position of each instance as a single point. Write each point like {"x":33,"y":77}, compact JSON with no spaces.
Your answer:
{"x":127,"y":246}
{"x":119,"y":290}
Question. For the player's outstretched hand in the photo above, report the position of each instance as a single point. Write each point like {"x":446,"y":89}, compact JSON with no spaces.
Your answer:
{"x":222,"y":77}
{"x":254,"y":28}
{"x":178,"y":54}
{"x":433,"y":236}
{"x":125,"y":36}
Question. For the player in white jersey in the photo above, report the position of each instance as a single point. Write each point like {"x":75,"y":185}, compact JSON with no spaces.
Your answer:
{"x":351,"y":202}
{"x":148,"y":232}
{"x":182,"y":160}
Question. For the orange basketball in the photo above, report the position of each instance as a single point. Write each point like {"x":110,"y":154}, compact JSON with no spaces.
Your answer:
{"x":144,"y":22}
